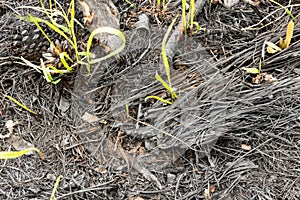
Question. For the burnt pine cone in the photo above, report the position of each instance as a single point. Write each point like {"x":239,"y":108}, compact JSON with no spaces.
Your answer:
{"x":26,"y":40}
{"x":20,"y":38}
{"x":32,"y":45}
{"x":52,"y":58}
{"x":29,"y":44}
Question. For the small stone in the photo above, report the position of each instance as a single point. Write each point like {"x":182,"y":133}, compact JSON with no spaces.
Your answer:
{"x":171,"y":178}
{"x":51,"y":177}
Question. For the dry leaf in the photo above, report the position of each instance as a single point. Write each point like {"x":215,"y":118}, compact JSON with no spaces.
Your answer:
{"x":207,"y":193}
{"x":90,"y":118}
{"x":257,"y":79}
{"x":85,"y":8}
{"x":289,"y":34}
{"x":88,"y":19}
{"x":142,"y":151}
{"x":87,"y":13}
{"x":10,"y":126}
{"x":269,"y":78}
{"x":101,"y":170}
{"x":281,"y":45}
{"x":272,"y":48}
{"x":209,"y":190}
{"x":102,"y":121}
{"x":64,"y":105}
{"x":135,"y":149}
{"x":21,"y":144}
{"x":246,"y":147}
{"x":212,"y":189}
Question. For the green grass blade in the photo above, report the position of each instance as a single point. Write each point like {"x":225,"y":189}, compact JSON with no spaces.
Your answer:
{"x":55,"y":188}
{"x":286,"y":10}
{"x":44,"y":8}
{"x":260,"y":65}
{"x":166,"y":86}
{"x":183,"y":17}
{"x":61,"y":9}
{"x":163,"y":51}
{"x":104,"y":30}
{"x":191,"y":13}
{"x":164,"y":83}
{"x":50,"y":17}
{"x":56,"y":81}
{"x":72,"y":28}
{"x":274,"y":46}
{"x":57,"y":71}
{"x":130,"y":3}
{"x":85,"y":54}
{"x":46,"y":73}
{"x":50,"y":6}
{"x":63,"y":60}
{"x":198,"y":27}
{"x":159,"y":99}
{"x":62,"y":27}
{"x":55,"y":28}
{"x":20,"y":104}
{"x":16,"y":154}
{"x":251,"y":70}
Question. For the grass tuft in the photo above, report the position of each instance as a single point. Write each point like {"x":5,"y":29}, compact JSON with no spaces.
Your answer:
{"x":167,"y":86}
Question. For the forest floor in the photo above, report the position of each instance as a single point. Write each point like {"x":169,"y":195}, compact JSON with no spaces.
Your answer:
{"x":254,"y":119}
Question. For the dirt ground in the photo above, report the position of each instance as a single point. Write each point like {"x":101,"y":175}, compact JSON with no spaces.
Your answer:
{"x":229,"y":135}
